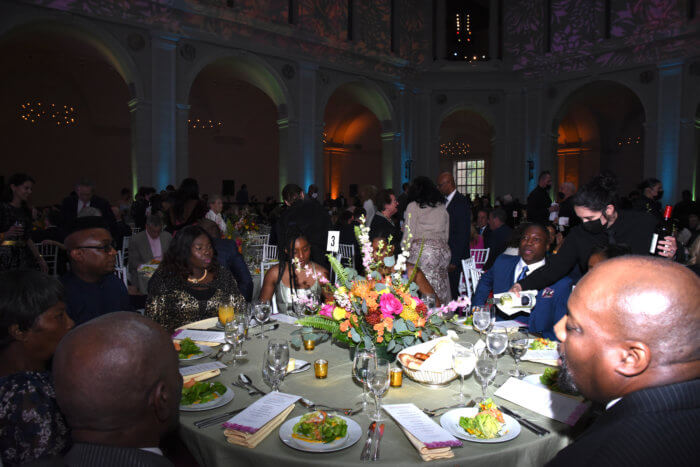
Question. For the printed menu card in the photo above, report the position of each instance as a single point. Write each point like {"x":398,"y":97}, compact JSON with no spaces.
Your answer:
{"x":194,"y":369}
{"x":261,"y":412}
{"x":413,"y":420}
{"x":200,"y":336}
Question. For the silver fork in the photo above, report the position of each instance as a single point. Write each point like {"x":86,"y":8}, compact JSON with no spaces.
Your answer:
{"x":433,"y":412}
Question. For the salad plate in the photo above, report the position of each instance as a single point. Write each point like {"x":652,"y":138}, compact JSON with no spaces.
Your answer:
{"x":450,"y":422}
{"x":220,"y":401}
{"x":352,"y":436}
{"x":206,"y":351}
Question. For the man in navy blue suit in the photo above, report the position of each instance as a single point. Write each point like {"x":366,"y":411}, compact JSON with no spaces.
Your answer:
{"x":459,"y":209}
{"x":507,"y":270}
{"x":228,"y":256}
{"x":630,"y":342}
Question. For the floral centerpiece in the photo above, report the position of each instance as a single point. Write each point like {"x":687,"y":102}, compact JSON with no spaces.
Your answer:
{"x":379,"y":310}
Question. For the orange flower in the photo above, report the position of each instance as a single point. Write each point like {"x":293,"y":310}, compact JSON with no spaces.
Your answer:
{"x":350,"y":335}
{"x":379,"y":327}
{"x":388,"y":324}
{"x":345,"y":325}
{"x":420,"y":333}
{"x":421,"y":322}
{"x":380,"y":339}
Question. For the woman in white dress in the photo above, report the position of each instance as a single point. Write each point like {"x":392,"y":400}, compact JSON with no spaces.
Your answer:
{"x":216,"y":205}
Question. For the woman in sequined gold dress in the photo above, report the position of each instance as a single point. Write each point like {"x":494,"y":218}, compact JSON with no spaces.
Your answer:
{"x":189,"y":285}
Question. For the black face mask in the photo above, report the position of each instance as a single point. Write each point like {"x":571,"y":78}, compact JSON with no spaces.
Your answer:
{"x":594,"y":227}
{"x":659,"y":195}
{"x":548,"y":187}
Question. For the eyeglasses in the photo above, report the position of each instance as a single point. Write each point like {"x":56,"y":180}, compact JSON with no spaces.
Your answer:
{"x":105,"y":248}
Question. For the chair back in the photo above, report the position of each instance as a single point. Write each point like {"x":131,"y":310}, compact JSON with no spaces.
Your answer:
{"x":50,"y":254}
{"x":124,"y":252}
{"x":471,"y":275}
{"x":269,"y":253}
{"x":120,"y":271}
{"x":480,"y":256}
{"x":346,"y":252}
{"x":258,"y":240}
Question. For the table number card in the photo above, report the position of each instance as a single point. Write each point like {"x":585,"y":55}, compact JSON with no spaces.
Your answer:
{"x":333,"y":244}
{"x":413,"y":420}
{"x":261,"y":412}
{"x":200,"y":336}
{"x":202,"y":367}
{"x":551,"y":404}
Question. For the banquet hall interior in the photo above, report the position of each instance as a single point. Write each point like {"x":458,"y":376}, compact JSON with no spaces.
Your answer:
{"x":158,"y":109}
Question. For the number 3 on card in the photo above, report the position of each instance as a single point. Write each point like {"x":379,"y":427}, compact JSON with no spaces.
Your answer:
{"x":333,"y":244}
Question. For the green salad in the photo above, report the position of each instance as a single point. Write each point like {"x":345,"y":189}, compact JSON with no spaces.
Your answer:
{"x":201,"y":392}
{"x":550,"y":378}
{"x":543,"y":344}
{"x":486,"y":424}
{"x":187,"y":349}
{"x":319,"y":427}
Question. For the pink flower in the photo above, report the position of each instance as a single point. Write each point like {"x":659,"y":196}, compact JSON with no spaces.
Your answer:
{"x":390,"y":305}
{"x":327,"y":310}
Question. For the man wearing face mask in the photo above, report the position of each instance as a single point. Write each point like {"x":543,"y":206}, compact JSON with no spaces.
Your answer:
{"x":602,"y":225}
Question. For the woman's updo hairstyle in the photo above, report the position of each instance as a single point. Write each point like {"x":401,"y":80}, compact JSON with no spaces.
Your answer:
{"x":597,"y":194}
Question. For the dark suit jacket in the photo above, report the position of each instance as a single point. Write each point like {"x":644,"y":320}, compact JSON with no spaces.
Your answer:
{"x":538,"y":202}
{"x":381,"y":227}
{"x":140,"y":250}
{"x":69,"y":210}
{"x":496,"y":240}
{"x":85,"y":301}
{"x":459,"y":210}
{"x":656,"y":426}
{"x":227,"y":254}
{"x":551,"y":301}
{"x":91,"y":455}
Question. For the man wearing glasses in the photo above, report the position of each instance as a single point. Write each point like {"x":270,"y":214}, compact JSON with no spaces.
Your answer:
{"x":92,"y":289}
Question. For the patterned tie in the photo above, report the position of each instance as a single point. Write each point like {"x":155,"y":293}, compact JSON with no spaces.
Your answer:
{"x":522,"y":275}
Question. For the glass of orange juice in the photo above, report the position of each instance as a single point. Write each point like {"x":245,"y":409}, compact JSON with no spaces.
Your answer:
{"x":226,"y":313}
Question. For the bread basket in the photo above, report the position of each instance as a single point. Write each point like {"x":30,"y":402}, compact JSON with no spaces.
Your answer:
{"x":431,"y":377}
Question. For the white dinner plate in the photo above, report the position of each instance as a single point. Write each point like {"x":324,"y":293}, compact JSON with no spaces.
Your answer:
{"x":206,"y":351}
{"x":353,"y":436}
{"x":535,"y":380}
{"x":297,"y":365}
{"x":450,"y":422}
{"x":220,"y":401}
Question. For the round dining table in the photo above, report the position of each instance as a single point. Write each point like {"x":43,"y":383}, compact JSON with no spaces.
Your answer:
{"x":339,"y":389}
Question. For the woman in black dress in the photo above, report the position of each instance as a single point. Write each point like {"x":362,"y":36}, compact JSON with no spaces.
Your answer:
{"x":17,"y":250}
{"x":190,"y":285}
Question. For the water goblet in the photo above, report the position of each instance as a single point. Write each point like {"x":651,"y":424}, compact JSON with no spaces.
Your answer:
{"x":518,"y":343}
{"x":496,"y":342}
{"x":463,"y":362}
{"x":262,"y":314}
{"x":486,"y":366}
{"x":364,"y":359}
{"x":378,"y":382}
{"x":429,"y":301}
{"x":241,"y":329}
{"x":481,"y":319}
{"x":277,"y":359}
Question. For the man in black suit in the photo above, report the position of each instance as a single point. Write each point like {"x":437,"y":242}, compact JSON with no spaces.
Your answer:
{"x":539,"y":201}
{"x":118,"y":385}
{"x":630,"y":341}
{"x":482,"y":221}
{"x":459,"y":209}
{"x":497,"y":236}
{"x":382,"y":225}
{"x":72,"y":205}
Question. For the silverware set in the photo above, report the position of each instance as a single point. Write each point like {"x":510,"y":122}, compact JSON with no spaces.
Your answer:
{"x":538,"y":430}
{"x":434,"y":412}
{"x":374,"y":437}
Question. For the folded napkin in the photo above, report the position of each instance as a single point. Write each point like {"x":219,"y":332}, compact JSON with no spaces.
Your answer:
{"x":202,"y":375}
{"x":250,"y":440}
{"x":428,"y":454}
{"x":547,"y":357}
{"x":441,"y":359}
{"x":203,"y":324}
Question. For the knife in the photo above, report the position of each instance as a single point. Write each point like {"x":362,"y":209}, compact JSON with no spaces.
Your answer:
{"x":379,"y":440}
{"x":216,"y":419}
{"x":365,"y":450}
{"x":538,"y":430}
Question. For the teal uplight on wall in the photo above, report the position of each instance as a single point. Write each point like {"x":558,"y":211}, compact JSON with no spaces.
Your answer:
{"x":668,"y":129}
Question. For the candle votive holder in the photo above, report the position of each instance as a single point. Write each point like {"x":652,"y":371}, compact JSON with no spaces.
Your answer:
{"x":396,"y":377}
{"x":309,"y":344}
{"x":321,"y":368}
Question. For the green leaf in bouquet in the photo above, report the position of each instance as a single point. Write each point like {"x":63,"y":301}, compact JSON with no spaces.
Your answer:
{"x":355,"y":336}
{"x":368,"y":342}
{"x":443,"y":329}
{"x":400,"y":325}
{"x":341,"y":276}
{"x":375,"y":275}
{"x":364,"y":307}
{"x":435,"y":319}
{"x":408,"y":340}
{"x":389,"y":261}
{"x":391,"y":346}
{"x":398,"y":347}
{"x":409,"y":324}
{"x":413,"y":288}
{"x":296,"y":342}
{"x":307,"y":329}
{"x":379,"y":287}
{"x":351,"y":274}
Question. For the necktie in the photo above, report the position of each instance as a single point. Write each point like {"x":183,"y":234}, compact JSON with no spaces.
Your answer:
{"x":522,"y":275}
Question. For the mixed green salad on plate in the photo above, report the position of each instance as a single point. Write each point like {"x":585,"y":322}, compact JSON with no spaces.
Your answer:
{"x":486,"y":424}
{"x":319,"y":427}
{"x":201,"y":392}
{"x":186,"y":349}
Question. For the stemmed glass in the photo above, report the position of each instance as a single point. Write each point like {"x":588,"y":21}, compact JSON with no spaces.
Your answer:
{"x":496,"y":342}
{"x":486,"y":366}
{"x":240,"y":322}
{"x":518,"y":342}
{"x":262,"y":314}
{"x":463,"y":362}
{"x":481,"y":318}
{"x":378,"y":382}
{"x":429,"y":301}
{"x":363,"y":361}
{"x":277,"y":359}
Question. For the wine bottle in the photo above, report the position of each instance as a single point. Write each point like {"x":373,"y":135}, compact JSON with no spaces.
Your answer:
{"x":663,"y":229}
{"x":525,"y":300}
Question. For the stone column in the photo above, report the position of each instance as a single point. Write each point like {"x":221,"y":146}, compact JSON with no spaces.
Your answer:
{"x":141,"y":163}
{"x":309,"y":129}
{"x":668,"y":130}
{"x":688,"y":163}
{"x":290,"y":169}
{"x":163,"y":131}
{"x":182,"y":161}
{"x":390,"y":142}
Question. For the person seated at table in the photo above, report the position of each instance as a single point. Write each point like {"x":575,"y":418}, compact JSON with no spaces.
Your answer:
{"x":550,"y":303}
{"x":227,"y":254}
{"x":630,"y":342}
{"x":91,"y":286}
{"x":118,"y":384}
{"x":190,"y":284}
{"x":33,"y":320}
{"x":148,"y":245}
{"x":421,"y":281}
{"x":216,"y":205}
{"x":602,"y":253}
{"x":298,"y":277}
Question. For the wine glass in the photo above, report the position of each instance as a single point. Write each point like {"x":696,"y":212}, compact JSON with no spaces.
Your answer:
{"x":262,"y":314}
{"x":496,"y":342}
{"x":240,"y":322}
{"x":486,"y":366}
{"x":247,"y":310}
{"x":481,"y":318}
{"x":364,"y":359}
{"x":518,"y":342}
{"x":463,"y":362}
{"x":277,"y":359}
{"x":378,"y":383}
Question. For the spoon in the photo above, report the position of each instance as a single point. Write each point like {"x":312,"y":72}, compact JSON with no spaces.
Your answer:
{"x":243,"y":378}
{"x":224,"y":348}
{"x":311,"y":405}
